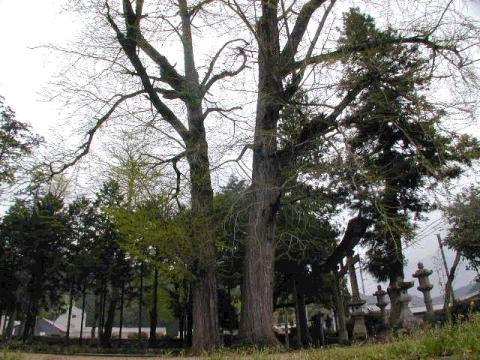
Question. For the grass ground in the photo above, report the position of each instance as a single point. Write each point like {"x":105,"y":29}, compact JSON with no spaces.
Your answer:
{"x":459,"y":341}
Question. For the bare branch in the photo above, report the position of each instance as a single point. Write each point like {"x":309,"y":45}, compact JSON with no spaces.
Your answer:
{"x":297,"y":78}
{"x":239,"y":157}
{"x":220,"y":110}
{"x":440,"y":19}
{"x":236,"y":9}
{"x":355,"y":230}
{"x":214,"y":60}
{"x":319,"y":126}
{"x":161,"y":161}
{"x":226,"y":73}
{"x":195,"y":9}
{"x":129,"y":47}
{"x":298,"y":31}
{"x":339,"y":54}
{"x":286,"y":12}
{"x":168,"y":72}
{"x":177,"y":188}
{"x":85,"y":147}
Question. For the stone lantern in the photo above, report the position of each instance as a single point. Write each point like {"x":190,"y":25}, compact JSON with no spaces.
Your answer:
{"x":406,"y":318}
{"x":356,"y":303}
{"x":425,"y":287}
{"x":382,"y":303}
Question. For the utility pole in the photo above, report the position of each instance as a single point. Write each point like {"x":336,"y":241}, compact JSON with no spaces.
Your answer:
{"x":440,"y":245}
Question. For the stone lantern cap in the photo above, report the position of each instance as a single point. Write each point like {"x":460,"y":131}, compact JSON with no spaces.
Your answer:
{"x":356,"y":302}
{"x":400,"y":285}
{"x":380,"y":295}
{"x":380,"y":291}
{"x":422,"y":272}
{"x":405,"y":285}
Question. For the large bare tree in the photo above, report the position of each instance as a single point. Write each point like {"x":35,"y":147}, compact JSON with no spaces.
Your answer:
{"x":172,"y":98}
{"x":295,"y":39}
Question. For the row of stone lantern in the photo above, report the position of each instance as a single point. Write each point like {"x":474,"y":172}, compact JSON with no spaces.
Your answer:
{"x":407,"y":319}
{"x":399,"y":289}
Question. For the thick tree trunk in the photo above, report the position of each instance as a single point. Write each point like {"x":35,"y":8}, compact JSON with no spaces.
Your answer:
{"x":181,"y":325}
{"x":303,"y":333}
{"x":395,"y":272}
{"x":206,"y":333}
{"x":3,"y":317}
{"x":152,"y":340}
{"x":95,"y":316}
{"x":256,"y":321}
{"x":286,"y":329}
{"x":30,"y":319}
{"x":4,"y":322}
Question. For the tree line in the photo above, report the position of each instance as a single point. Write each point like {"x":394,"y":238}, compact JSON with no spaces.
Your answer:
{"x":363,"y":133}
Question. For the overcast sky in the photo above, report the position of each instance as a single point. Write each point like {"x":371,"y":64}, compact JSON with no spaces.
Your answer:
{"x":25,"y":72}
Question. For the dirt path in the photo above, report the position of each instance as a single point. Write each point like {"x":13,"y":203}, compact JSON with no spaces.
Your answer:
{"x":28,"y":356}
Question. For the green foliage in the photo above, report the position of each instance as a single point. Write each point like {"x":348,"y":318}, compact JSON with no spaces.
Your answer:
{"x":458,"y":341}
{"x":464,"y":217}
{"x":10,"y":356}
{"x":230,"y":217}
{"x":16,"y":142}
{"x":33,"y":249}
{"x":154,"y":232}
{"x":110,"y":262}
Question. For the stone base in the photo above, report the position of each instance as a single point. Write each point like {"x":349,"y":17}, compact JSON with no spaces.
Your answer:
{"x":407,"y":320}
{"x":359,"y":328}
{"x":429,"y":318}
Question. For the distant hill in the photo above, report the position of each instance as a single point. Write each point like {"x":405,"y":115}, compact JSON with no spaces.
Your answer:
{"x":460,"y":293}
{"x":417,"y":301}
{"x":372,"y":300}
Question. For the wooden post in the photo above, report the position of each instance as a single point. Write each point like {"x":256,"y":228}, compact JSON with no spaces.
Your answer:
{"x":450,"y":290}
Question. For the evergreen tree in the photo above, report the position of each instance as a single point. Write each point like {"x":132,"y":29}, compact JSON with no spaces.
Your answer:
{"x":34,"y":235}
{"x":394,"y":142}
